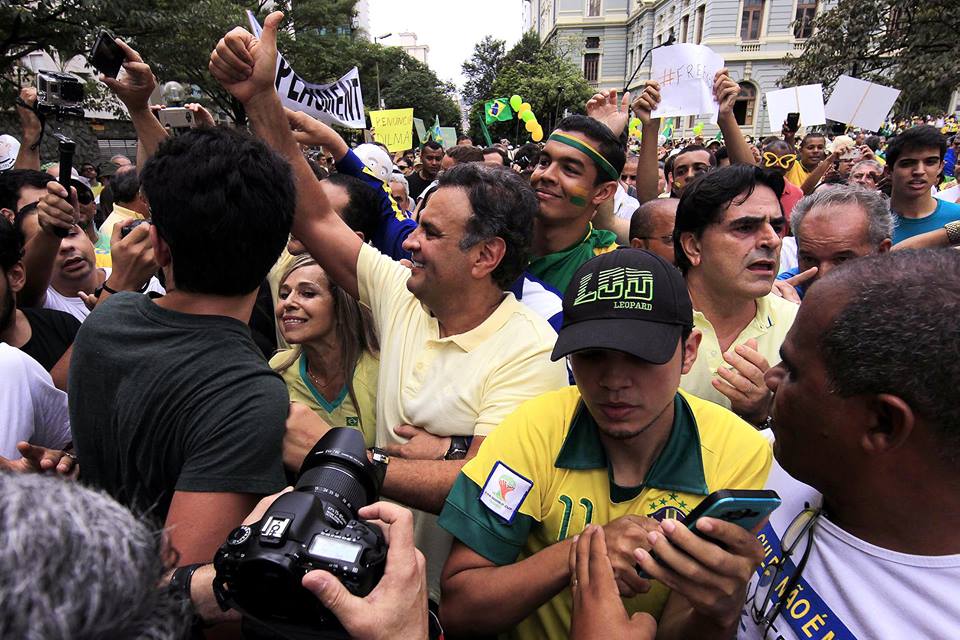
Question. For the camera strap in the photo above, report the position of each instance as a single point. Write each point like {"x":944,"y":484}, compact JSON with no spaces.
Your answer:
{"x":42,"y":118}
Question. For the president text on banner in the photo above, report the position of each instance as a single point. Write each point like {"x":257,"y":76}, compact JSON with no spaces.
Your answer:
{"x":394,"y":128}
{"x":339,"y":102}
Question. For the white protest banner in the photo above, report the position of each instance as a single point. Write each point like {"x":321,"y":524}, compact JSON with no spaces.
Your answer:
{"x":421,"y":129}
{"x":685,"y":73}
{"x":807,"y":100}
{"x":339,"y":102}
{"x":860,"y":103}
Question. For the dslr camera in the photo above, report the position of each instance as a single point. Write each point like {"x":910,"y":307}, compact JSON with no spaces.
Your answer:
{"x":60,"y":94}
{"x":260,"y":567}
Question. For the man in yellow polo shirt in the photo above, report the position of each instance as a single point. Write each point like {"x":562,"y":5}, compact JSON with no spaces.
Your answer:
{"x":727,"y":238}
{"x":127,"y":204}
{"x":623,"y":449}
{"x":812,"y":152}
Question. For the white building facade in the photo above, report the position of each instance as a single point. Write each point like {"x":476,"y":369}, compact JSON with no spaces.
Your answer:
{"x":608,"y":39}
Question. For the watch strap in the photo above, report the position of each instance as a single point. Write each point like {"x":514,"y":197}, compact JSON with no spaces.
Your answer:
{"x":953,"y":232}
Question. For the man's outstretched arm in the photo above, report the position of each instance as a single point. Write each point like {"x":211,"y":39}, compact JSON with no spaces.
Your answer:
{"x":245,"y":65}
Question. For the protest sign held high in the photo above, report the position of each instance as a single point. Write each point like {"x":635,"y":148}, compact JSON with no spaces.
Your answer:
{"x":394,"y":128}
{"x":860,"y":103}
{"x":807,"y":100}
{"x":685,"y":73}
{"x":339,"y":102}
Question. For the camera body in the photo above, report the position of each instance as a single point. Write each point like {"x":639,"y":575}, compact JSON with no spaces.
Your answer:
{"x":60,"y":94}
{"x":260,"y":567}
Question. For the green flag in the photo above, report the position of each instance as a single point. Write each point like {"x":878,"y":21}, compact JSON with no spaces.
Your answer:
{"x":668,"y":128}
{"x":486,"y":134}
{"x":497,"y":110}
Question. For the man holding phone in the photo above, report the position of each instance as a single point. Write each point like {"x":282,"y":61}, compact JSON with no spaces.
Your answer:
{"x":623,"y":442}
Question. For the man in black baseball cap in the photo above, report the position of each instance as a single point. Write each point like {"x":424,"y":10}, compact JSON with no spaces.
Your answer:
{"x":624,"y":449}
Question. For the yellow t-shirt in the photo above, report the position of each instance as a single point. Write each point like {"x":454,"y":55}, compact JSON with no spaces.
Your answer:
{"x":797,"y":174}
{"x":769,"y":327}
{"x":342,"y":412}
{"x":542,"y":477}
{"x":118,"y":215}
{"x":460,"y":385}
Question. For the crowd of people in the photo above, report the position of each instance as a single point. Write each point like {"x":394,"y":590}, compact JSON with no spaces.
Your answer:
{"x":562,"y":349}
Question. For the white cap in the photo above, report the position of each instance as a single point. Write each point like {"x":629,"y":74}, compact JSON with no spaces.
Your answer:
{"x":9,"y":148}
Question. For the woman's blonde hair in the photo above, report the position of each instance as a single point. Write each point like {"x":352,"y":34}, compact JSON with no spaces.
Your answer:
{"x":352,"y":323}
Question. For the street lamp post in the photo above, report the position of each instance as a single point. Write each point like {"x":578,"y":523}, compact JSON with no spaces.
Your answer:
{"x":377,"y":66}
{"x":670,"y":41}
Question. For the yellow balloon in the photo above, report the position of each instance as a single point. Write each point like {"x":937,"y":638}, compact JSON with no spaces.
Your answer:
{"x":524,"y":107}
{"x":531,"y":125}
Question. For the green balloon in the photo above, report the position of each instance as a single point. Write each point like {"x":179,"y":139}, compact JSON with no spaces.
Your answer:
{"x":515,"y":102}
{"x":527,"y":116}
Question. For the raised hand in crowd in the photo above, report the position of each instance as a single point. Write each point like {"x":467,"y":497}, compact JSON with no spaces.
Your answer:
{"x":134,"y":262}
{"x":647,"y":183}
{"x":313,"y":133}
{"x":598,"y":611}
{"x":134,"y":85}
{"x":725,"y":92}
{"x":29,"y":155}
{"x":397,"y":606}
{"x":201,"y":117}
{"x":605,"y":107}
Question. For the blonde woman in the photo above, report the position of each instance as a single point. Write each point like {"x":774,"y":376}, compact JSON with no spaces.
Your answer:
{"x":333,"y":365}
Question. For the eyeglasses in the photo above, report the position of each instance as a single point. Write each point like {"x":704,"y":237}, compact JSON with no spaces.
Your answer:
{"x":664,"y":239}
{"x":764,"y":610}
{"x":771,"y":159}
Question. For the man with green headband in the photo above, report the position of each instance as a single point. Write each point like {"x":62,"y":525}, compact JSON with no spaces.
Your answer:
{"x":578,"y":170}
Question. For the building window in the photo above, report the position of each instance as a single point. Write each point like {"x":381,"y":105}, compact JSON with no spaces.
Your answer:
{"x":591,"y":67}
{"x":593,"y":42}
{"x":701,"y":13}
{"x":593,"y":7}
{"x":684,"y":27}
{"x":751,"y":19}
{"x":745,"y":105}
{"x":806,"y":12}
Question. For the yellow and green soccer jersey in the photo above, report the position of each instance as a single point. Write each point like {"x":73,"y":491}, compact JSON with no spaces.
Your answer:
{"x":341,"y":412}
{"x":542,"y":476}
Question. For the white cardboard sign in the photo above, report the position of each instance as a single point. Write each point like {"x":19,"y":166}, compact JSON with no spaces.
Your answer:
{"x":339,"y":102}
{"x":685,"y":73}
{"x":860,"y":103}
{"x":807,"y":100}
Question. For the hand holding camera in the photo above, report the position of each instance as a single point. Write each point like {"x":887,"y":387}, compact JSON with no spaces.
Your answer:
{"x":134,"y":82}
{"x":134,"y":260}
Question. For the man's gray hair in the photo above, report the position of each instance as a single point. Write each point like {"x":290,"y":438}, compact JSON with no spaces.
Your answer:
{"x":874,"y":203}
{"x":871,"y":163}
{"x":75,"y":564}
{"x":400,"y":178}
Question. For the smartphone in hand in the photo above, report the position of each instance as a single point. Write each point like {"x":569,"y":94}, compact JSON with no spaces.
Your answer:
{"x":106,"y":55}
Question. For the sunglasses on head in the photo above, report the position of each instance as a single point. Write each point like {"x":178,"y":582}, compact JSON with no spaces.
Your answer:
{"x":771,"y":159}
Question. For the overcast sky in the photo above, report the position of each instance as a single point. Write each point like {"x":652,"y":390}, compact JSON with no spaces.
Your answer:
{"x":450,"y":28}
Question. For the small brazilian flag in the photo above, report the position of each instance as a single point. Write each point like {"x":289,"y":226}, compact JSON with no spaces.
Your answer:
{"x":497,"y":110}
{"x":668,"y":128}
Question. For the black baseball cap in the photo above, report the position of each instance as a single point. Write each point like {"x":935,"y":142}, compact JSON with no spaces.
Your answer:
{"x":626,"y":300}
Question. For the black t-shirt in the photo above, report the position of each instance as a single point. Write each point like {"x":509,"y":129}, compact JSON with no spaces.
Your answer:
{"x":162,"y":401}
{"x":417,"y":184}
{"x":52,"y":334}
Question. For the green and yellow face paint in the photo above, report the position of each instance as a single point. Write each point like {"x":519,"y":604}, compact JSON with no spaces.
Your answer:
{"x":581,"y":145}
{"x":579,"y":196}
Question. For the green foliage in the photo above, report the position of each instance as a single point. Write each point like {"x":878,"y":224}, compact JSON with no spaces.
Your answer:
{"x":481,"y":69}
{"x":910,"y":45}
{"x":544,"y":78}
{"x":176,"y":37}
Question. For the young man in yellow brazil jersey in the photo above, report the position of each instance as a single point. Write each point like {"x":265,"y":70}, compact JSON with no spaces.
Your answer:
{"x":624,"y":449}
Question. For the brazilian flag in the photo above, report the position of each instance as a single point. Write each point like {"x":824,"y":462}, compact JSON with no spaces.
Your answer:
{"x":497,"y":110}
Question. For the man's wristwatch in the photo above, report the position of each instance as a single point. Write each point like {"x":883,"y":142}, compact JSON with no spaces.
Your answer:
{"x":459,"y":445}
{"x":953,"y":232}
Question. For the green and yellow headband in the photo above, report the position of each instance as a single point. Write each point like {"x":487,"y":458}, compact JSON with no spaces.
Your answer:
{"x":585,"y":147}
